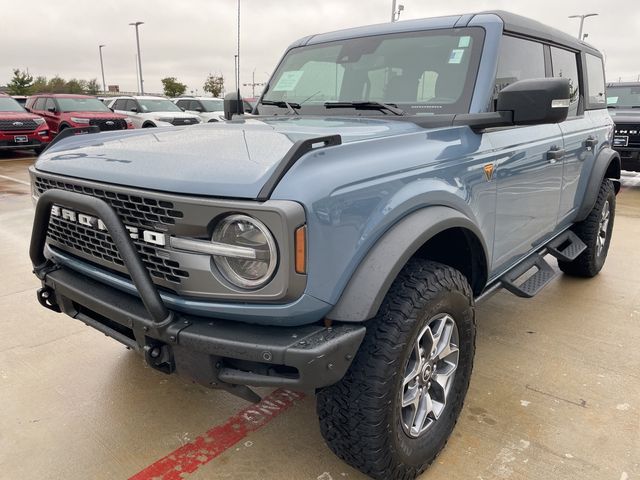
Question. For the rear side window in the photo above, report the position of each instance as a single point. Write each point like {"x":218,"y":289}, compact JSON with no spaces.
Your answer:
{"x":519,"y":60}
{"x":39,"y":103}
{"x":596,"y":97}
{"x":565,"y":65}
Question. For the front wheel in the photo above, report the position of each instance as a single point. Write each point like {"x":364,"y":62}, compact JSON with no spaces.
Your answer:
{"x":396,"y":407}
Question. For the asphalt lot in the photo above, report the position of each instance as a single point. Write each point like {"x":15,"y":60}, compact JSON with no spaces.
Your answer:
{"x":555,"y":392}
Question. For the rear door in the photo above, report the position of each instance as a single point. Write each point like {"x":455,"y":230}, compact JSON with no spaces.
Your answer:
{"x":577,"y":132}
{"x":528,"y":176}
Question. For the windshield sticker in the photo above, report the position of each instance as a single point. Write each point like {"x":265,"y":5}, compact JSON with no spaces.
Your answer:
{"x":612,"y":100}
{"x":464,"y":42}
{"x":456,"y":55}
{"x":288,"y":81}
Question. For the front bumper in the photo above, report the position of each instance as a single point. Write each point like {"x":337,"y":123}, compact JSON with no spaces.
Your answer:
{"x":217,"y":353}
{"x":7,"y":141}
{"x":629,"y":158}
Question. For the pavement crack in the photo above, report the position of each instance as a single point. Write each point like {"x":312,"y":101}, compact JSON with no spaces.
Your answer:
{"x":582,"y":403}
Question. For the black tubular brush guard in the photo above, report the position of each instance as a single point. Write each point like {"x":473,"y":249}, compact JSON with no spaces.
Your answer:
{"x":217,"y":353}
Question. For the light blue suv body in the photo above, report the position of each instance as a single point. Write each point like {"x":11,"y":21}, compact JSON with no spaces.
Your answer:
{"x":373,"y":190}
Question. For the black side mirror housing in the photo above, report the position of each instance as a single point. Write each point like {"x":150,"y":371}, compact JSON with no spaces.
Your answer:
{"x":232,"y":106}
{"x":134,"y":110}
{"x":51,"y":109}
{"x":536,"y":101}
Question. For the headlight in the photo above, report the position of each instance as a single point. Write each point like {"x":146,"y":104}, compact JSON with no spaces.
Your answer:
{"x":247,"y":232}
{"x":165,"y":119}
{"x":84,"y":121}
{"x":39,"y":121}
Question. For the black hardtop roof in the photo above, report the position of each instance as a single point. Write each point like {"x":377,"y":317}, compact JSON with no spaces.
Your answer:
{"x":532,"y":28}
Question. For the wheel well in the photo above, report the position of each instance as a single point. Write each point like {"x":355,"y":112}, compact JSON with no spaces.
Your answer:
{"x":461,"y":249}
{"x":148,"y":125}
{"x":613,"y":171}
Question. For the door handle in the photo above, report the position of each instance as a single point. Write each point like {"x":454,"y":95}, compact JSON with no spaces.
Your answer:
{"x":555,"y":154}
{"x":590,"y":142}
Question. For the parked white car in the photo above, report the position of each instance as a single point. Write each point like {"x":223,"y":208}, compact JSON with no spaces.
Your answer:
{"x":146,"y":111}
{"x":208,"y":109}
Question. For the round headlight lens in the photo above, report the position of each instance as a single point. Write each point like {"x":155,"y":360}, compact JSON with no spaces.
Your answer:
{"x":245,"y":231}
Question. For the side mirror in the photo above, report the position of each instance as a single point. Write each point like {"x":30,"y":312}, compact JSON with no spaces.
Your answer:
{"x":232,"y":106}
{"x":134,"y":110}
{"x":536,"y":101}
{"x":51,"y":109}
{"x":199,"y":109}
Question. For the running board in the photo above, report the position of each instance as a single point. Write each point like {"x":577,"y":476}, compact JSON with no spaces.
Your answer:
{"x":534,"y":283}
{"x":566,"y":247}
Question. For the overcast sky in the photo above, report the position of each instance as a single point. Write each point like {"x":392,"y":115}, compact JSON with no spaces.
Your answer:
{"x":188,"y":39}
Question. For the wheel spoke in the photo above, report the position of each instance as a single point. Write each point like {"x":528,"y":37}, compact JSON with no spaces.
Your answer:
{"x":425,"y":407}
{"x":411,"y":396}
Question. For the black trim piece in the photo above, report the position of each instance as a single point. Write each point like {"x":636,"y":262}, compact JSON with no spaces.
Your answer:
{"x":69,"y":132}
{"x":297,"y":151}
{"x":95,"y":206}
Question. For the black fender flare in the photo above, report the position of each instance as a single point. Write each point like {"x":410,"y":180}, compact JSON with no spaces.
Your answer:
{"x":363,"y":295}
{"x":607,"y":164}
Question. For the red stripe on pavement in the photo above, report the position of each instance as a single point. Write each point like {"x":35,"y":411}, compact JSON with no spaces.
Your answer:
{"x":190,"y":457}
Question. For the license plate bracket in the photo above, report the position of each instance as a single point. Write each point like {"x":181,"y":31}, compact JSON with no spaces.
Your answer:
{"x":21,"y":139}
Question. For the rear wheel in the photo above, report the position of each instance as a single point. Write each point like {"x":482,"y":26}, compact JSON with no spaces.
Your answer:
{"x":595,"y":231}
{"x":397,"y":405}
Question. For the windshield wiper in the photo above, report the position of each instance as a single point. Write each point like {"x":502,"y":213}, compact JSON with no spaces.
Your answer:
{"x":291,"y":107}
{"x":366,"y":105}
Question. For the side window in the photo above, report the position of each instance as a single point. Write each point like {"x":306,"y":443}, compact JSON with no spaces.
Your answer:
{"x":194,"y":105}
{"x":130,"y":105}
{"x":118,"y":104}
{"x":39,"y":104}
{"x":183,"y":104}
{"x":565,"y":65}
{"x":49,"y":104}
{"x":519,"y":60}
{"x":595,"y":82}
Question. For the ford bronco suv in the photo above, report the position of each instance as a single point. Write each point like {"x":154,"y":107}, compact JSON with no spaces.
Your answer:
{"x":623,"y":101}
{"x":338,"y":241}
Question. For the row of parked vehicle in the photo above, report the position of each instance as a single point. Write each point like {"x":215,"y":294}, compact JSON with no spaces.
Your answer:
{"x":43,"y":116}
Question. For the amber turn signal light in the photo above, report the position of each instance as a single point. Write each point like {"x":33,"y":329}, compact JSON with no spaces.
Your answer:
{"x":301,"y":249}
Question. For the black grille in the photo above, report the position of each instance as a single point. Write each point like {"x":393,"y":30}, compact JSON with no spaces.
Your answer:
{"x":22,"y":125}
{"x":631,"y":131}
{"x":132,"y":209}
{"x":184,"y":121}
{"x":106,"y":124}
{"x":98,"y":244}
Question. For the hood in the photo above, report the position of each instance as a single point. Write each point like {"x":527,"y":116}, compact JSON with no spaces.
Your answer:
{"x":626,"y":115}
{"x":100,"y":115}
{"x":17,"y":116}
{"x":232,"y":159}
{"x":170,"y":114}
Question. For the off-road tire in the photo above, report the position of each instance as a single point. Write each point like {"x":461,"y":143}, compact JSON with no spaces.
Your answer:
{"x":360,"y":416}
{"x":589,"y":263}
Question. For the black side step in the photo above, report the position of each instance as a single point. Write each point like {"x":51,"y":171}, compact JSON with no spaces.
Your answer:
{"x":532,"y":285}
{"x":566,"y":247}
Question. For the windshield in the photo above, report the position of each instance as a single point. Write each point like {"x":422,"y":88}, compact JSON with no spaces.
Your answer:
{"x":158,"y":105}
{"x":81,"y":105}
{"x":621,"y":97}
{"x":213,"y":105}
{"x":421,"y":72}
{"x":10,"y":105}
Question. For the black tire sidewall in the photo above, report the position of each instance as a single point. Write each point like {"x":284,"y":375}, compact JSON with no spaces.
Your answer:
{"x":412,"y":450}
{"x":611,"y":197}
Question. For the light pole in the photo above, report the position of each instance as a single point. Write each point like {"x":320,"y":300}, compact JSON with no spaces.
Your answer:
{"x":137,"y":24}
{"x":582,"y":17}
{"x":395,"y":14}
{"x":104,"y":85}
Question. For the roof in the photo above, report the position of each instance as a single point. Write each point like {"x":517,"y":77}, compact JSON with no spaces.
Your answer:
{"x":623,"y":84}
{"x":63,"y":95}
{"x":512,"y":23}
